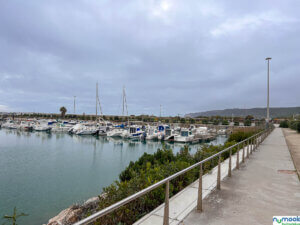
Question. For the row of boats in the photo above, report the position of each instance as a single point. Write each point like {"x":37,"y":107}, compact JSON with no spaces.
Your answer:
{"x":161,"y":132}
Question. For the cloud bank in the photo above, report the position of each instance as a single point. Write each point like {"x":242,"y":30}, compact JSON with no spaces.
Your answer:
{"x":187,"y":56}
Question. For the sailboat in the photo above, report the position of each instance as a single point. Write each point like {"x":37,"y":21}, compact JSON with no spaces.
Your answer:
{"x":102,"y":125}
{"x":133,"y":132}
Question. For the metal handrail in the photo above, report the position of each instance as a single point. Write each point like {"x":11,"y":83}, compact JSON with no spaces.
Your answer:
{"x":130,"y":198}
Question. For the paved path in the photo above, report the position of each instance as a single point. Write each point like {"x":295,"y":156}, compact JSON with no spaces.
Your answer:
{"x":265,"y":186}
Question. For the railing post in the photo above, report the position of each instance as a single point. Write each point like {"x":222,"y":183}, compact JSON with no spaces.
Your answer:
{"x":219,"y":174}
{"x":243,"y":154}
{"x":248,"y":145}
{"x":251,"y":145}
{"x":166,"y":211}
{"x":256,"y":142}
{"x":199,"y":202}
{"x":229,"y":166}
{"x":238,"y":157}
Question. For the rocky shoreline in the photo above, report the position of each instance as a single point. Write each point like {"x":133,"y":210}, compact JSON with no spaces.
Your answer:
{"x":75,"y":212}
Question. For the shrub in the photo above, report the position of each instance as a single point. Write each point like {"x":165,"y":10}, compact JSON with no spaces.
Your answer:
{"x":225,"y":122}
{"x":239,"y":136}
{"x":284,"y":124}
{"x":293,"y":124}
{"x":216,"y":122}
{"x":298,"y":127}
{"x":247,"y":123}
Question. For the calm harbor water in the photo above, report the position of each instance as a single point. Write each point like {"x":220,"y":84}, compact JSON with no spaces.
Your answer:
{"x":42,"y":173}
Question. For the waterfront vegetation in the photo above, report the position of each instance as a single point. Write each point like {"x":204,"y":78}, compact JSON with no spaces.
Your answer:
{"x":293,"y":124}
{"x":149,"y":169}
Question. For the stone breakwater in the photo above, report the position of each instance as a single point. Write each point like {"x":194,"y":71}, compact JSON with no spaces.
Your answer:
{"x":75,"y":212}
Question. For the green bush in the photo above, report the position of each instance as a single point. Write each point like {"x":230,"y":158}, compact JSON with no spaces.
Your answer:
{"x":216,"y":122}
{"x":239,"y":136}
{"x":225,"y":122}
{"x":298,"y":127}
{"x":284,"y":124}
{"x":247,"y":123}
{"x":293,"y":124}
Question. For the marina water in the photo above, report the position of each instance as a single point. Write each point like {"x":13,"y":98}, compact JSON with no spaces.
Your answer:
{"x":43,"y":173}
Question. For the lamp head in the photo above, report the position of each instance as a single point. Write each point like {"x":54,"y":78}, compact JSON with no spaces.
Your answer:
{"x":268,"y":58}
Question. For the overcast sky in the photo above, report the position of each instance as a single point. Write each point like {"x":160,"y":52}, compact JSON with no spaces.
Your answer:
{"x":188,"y":56}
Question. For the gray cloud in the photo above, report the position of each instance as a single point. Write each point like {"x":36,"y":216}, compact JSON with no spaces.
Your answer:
{"x":186,"y":55}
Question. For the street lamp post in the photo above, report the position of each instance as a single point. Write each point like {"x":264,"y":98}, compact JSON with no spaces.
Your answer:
{"x":268,"y":100}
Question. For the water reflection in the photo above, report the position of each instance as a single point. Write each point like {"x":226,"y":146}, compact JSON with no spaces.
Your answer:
{"x":53,"y":171}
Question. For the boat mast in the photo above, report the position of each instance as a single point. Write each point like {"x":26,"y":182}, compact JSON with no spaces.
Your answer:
{"x":100,"y":108}
{"x":74,"y":105}
{"x":125,"y":104}
{"x":96,"y":100}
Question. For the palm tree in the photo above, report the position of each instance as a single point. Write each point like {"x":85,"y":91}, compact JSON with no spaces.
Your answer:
{"x":14,"y":217}
{"x":63,"y":111}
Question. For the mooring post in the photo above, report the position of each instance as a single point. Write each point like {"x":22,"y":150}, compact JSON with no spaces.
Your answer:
{"x":166,"y":210}
{"x":199,"y":202}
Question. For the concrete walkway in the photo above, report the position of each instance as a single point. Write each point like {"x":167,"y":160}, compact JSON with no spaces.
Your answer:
{"x":265,"y":186}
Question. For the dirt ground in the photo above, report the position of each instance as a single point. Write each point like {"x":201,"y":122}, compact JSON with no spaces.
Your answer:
{"x":293,"y":141}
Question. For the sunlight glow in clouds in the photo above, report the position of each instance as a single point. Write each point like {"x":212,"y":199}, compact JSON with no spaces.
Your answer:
{"x":161,"y":8}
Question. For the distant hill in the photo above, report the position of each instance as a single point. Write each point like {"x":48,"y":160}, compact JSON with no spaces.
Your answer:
{"x":256,"y":112}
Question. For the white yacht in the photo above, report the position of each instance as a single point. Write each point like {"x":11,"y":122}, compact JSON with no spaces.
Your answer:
{"x":9,"y":125}
{"x":61,"y":127}
{"x":75,"y":128}
{"x":200,"y":131}
{"x":117,"y":132}
{"x":41,"y":127}
{"x":86,"y":130}
{"x":185,"y":136}
{"x":133,"y":132}
{"x":221,"y":132}
{"x":170,"y":134}
{"x":26,"y":126}
{"x":152,"y":133}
